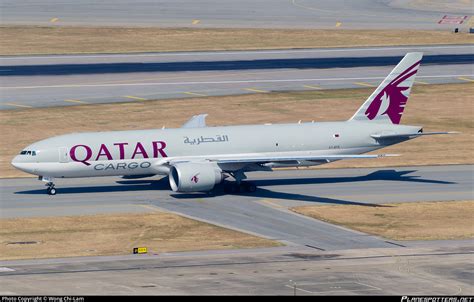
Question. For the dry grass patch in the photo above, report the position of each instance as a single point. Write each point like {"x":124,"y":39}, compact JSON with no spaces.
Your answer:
{"x":18,"y":40}
{"x":115,"y":235}
{"x":437,"y":107}
{"x":402,"y":221}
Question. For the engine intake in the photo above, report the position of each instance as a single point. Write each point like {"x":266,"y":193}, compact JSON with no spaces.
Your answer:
{"x":194,"y":177}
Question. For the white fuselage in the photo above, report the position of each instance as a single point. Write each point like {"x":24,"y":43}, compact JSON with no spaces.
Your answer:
{"x":142,"y":152}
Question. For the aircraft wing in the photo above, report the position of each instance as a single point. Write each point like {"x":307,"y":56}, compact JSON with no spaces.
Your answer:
{"x":286,"y":158}
{"x":401,"y":136}
{"x":274,"y":157}
{"x":197,"y":121}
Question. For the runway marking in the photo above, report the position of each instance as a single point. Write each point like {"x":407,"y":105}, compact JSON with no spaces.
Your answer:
{"x":134,"y":97}
{"x":364,"y":84}
{"x":193,"y":76}
{"x":333,"y":285}
{"x":297,"y":288}
{"x":76,"y":101}
{"x":466,"y":79}
{"x":326,"y":11}
{"x":54,"y":20}
{"x":195,"y":22}
{"x":150,"y":207}
{"x":218,"y":82}
{"x":312,"y":87}
{"x":18,"y":105}
{"x":6,"y":269}
{"x":194,"y":93}
{"x":255,"y":90}
{"x":243,"y":52}
{"x":421,"y":82}
{"x":338,"y":24}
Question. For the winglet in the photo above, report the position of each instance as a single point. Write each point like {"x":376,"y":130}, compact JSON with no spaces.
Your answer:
{"x":197,"y":121}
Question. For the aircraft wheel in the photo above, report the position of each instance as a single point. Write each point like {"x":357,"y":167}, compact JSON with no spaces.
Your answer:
{"x":52,"y":191}
{"x":243,"y":187}
{"x":251,"y":188}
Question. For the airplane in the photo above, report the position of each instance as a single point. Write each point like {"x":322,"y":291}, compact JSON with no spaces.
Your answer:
{"x":196,"y":157}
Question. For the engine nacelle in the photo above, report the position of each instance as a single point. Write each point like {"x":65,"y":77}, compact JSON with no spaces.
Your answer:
{"x":194,"y":177}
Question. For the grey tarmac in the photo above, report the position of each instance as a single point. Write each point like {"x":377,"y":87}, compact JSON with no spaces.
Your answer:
{"x":442,"y":268}
{"x":264,"y":213}
{"x":365,"y":14}
{"x":65,"y":80}
{"x":364,"y":265}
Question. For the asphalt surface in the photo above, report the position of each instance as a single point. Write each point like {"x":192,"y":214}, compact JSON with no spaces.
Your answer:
{"x":319,"y":259}
{"x":264,"y":213}
{"x":44,"y":81}
{"x":228,"y":13}
{"x":443,"y":268}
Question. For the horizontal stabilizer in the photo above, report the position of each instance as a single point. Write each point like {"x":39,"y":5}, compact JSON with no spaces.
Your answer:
{"x":401,"y":136}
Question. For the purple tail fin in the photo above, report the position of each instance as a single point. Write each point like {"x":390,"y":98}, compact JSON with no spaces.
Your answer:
{"x":387,"y":102}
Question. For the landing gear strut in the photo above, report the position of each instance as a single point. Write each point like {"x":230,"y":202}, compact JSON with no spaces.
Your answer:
{"x":239,"y":186}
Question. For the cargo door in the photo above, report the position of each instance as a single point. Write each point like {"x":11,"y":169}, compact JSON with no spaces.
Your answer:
{"x":63,"y":155}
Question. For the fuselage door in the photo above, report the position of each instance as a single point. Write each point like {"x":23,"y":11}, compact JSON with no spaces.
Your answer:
{"x":63,"y":155}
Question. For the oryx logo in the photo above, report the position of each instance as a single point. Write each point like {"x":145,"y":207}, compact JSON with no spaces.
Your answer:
{"x":195,"y":178}
{"x":392,"y":99}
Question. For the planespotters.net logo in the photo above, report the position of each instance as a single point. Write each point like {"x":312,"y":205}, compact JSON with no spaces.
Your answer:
{"x":436,"y":299}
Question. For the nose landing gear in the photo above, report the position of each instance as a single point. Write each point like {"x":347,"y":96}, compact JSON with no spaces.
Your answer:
{"x":51,"y":190}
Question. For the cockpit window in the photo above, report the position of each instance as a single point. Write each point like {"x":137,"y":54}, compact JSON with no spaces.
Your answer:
{"x":27,"y":152}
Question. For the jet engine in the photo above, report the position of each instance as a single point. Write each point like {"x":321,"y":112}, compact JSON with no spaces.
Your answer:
{"x":194,"y":177}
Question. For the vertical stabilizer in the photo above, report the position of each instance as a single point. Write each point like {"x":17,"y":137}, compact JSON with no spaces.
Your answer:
{"x":387,"y":102}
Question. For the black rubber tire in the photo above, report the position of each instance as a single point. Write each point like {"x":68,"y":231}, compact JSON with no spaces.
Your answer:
{"x":52,"y":191}
{"x":251,"y":188}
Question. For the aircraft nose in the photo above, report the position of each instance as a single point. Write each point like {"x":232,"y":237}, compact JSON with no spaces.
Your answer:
{"x":20,"y":164}
{"x":15,"y":162}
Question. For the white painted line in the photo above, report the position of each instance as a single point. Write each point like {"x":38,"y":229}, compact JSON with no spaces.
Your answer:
{"x":218,"y":82}
{"x":297,"y":288}
{"x":6,"y":269}
{"x":244,"y":52}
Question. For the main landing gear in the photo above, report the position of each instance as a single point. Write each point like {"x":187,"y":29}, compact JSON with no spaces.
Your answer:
{"x":51,"y":190}
{"x":243,"y":187}
{"x":239,"y":186}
